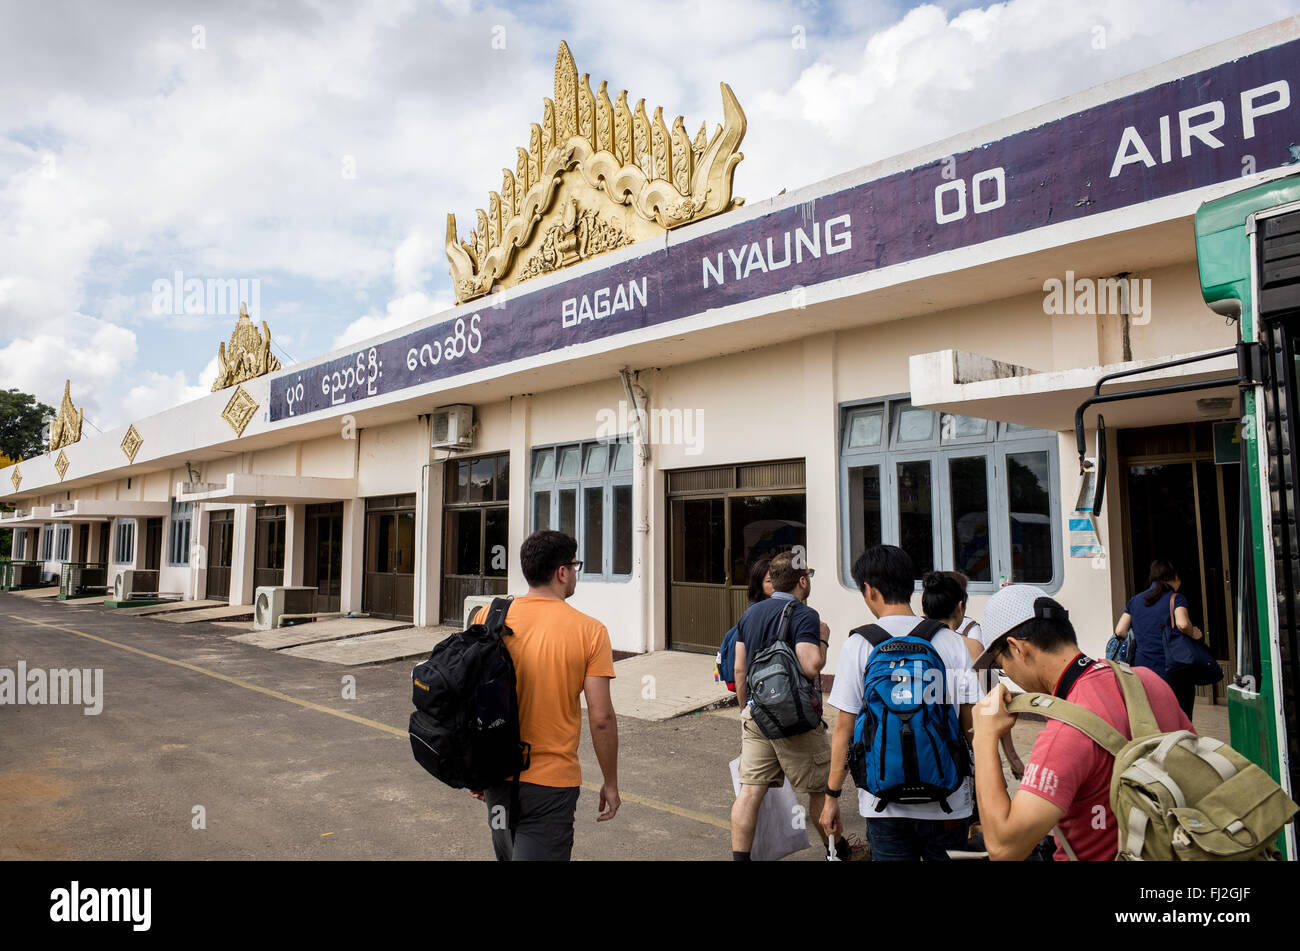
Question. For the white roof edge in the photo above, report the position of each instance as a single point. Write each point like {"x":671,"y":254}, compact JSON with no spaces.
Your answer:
{"x":936,"y":377}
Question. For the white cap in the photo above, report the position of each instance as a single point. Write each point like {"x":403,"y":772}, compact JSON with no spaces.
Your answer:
{"x":1008,"y":609}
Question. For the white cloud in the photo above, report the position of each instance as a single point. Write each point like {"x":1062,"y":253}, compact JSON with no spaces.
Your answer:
{"x":160,"y":392}
{"x":414,"y":261}
{"x":90,"y":352}
{"x":403,"y":310}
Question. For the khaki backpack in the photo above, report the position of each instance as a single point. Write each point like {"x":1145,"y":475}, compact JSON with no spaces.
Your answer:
{"x":1175,"y":796}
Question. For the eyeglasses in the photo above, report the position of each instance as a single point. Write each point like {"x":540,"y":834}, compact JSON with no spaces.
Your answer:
{"x":998,"y":651}
{"x":575,"y":565}
{"x":810,"y":572}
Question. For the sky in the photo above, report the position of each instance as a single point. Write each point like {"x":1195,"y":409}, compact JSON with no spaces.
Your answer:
{"x":312,"y":149}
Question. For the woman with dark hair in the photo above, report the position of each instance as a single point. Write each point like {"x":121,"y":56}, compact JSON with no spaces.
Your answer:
{"x":1151,"y":615}
{"x":760,"y":588}
{"x":969,"y":626}
{"x":943,"y":598}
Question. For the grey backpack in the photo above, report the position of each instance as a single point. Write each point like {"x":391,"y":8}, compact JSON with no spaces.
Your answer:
{"x":782,"y":700}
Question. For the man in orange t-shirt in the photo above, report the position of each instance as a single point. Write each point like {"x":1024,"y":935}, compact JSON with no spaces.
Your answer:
{"x":559,"y":654}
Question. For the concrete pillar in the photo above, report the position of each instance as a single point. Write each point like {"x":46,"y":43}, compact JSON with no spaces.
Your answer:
{"x":354,"y":527}
{"x":521,"y":506}
{"x":428,"y":555}
{"x":198,"y":580}
{"x":16,"y":545}
{"x":295,"y":535}
{"x":820,"y":426}
{"x":241,"y":570}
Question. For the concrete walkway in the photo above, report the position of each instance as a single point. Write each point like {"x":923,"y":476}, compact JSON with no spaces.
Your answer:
{"x":330,"y":630}
{"x":374,"y":648}
{"x":35,"y":593}
{"x":224,"y":613}
{"x":665,"y":684}
{"x":167,"y":608}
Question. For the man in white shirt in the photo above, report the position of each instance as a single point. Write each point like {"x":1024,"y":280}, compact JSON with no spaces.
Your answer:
{"x":900,"y":831}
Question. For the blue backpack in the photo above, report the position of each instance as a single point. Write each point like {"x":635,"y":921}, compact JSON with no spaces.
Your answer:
{"x":724,"y":663}
{"x":907,"y":742}
{"x":1122,"y":649}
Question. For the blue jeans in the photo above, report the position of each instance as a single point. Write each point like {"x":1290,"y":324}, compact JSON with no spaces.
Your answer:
{"x":911,"y":840}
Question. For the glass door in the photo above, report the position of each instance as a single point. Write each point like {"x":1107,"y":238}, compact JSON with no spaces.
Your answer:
{"x":323,"y":553}
{"x":476,"y":531}
{"x":221,"y":547}
{"x":723,"y":521}
{"x":268,"y":564}
{"x":388,"y":587}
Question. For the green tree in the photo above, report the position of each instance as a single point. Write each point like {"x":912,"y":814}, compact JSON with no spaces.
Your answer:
{"x":24,"y":424}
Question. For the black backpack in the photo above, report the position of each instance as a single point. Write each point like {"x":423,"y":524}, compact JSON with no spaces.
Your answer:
{"x":465,"y":726}
{"x":783,"y":701}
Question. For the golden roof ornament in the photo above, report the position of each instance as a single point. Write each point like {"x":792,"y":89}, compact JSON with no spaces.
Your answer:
{"x":66,"y":428}
{"x":249,"y":355}
{"x":596,"y":176}
{"x":239,"y":410}
{"x":131,"y":443}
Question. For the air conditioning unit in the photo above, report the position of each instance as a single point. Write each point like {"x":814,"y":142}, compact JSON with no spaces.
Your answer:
{"x":129,"y":582}
{"x":271,"y":604}
{"x":474,"y":602}
{"x":453,"y":427}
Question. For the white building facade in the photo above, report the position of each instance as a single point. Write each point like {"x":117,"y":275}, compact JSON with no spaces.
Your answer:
{"x":892,"y":355}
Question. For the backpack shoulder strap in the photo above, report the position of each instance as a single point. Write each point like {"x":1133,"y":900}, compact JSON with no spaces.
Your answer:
{"x":927,"y":629}
{"x":495,"y":621}
{"x":873,"y":634}
{"x":1085,"y":721}
{"x":783,"y":627}
{"x":1141,"y":718}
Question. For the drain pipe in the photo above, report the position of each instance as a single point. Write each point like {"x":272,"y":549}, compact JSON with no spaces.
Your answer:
{"x":640,"y":437}
{"x":1126,"y":325}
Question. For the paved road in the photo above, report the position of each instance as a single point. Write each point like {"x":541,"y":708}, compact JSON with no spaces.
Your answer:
{"x":283,"y":766}
{"x":286,"y":768}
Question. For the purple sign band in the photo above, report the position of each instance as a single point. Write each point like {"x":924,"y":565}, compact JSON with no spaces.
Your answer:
{"x":1213,"y":126}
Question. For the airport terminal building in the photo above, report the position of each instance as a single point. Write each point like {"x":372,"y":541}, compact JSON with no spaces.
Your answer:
{"x":685,"y":384}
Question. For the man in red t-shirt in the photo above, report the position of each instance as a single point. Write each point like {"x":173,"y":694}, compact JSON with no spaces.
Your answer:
{"x":1068,"y":775}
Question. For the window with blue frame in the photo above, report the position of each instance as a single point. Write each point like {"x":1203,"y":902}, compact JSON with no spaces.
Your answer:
{"x":585,"y":490}
{"x":954,"y":492}
{"x":124,"y":543}
{"x":178,"y":534}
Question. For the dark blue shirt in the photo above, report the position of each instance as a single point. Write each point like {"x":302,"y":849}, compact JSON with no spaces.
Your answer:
{"x":1149,"y":626}
{"x":757,"y":627}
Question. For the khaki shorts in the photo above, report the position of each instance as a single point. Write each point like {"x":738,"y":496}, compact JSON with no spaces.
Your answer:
{"x":805,"y":759}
